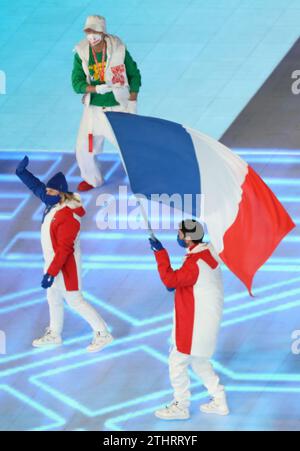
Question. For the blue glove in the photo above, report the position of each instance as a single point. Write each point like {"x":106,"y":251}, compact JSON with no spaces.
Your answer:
{"x":155,"y":244}
{"x":47,"y":281}
{"x":22,"y":165}
{"x":170,"y":289}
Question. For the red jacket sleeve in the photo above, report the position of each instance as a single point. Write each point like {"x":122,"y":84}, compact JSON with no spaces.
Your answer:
{"x":66,"y":235}
{"x":186,"y":276}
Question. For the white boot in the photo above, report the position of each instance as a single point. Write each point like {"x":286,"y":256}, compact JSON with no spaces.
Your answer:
{"x":173,"y":411}
{"x":217,"y":405}
{"x":99,"y":342}
{"x":48,"y":339}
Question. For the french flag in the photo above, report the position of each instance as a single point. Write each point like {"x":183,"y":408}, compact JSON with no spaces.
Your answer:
{"x":244,"y":218}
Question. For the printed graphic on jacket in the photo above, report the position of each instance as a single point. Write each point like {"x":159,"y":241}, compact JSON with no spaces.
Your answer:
{"x":96,"y":71}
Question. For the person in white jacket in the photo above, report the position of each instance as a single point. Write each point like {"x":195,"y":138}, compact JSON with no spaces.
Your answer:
{"x":61,"y":251}
{"x":109,"y":79}
{"x":198,"y":310}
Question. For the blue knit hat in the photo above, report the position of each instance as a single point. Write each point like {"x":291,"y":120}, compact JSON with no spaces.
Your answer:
{"x":58,"y":182}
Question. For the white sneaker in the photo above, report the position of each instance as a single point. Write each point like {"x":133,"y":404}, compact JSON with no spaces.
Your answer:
{"x":173,"y":412}
{"x":48,"y":339}
{"x":217,"y":405}
{"x":99,"y":342}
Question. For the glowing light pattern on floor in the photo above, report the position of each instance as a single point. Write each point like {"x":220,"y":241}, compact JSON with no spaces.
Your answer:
{"x":43,"y":369}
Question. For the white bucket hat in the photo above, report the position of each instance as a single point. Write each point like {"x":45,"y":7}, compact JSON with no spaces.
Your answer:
{"x":96,"y":23}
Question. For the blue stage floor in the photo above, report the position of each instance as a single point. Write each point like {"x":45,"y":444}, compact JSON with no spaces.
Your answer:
{"x":119,"y":388}
{"x":201,"y":60}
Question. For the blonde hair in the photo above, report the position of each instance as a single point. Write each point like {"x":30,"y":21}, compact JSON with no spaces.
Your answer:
{"x":69,"y":197}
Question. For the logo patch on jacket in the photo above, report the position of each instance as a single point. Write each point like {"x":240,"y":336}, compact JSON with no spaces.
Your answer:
{"x":118,"y":74}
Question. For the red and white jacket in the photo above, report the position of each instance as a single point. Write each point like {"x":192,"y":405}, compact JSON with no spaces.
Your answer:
{"x":198,"y":299}
{"x":60,"y":244}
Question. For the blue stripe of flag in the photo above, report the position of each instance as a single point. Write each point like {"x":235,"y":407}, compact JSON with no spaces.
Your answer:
{"x":158,"y":154}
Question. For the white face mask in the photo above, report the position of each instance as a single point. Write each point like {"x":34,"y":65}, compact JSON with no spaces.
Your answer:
{"x":94,"y":38}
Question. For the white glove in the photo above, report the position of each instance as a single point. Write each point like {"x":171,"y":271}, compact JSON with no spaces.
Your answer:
{"x":132,"y":106}
{"x":102,"y":89}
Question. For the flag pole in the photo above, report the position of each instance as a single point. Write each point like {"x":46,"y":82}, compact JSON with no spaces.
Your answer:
{"x":146,"y":219}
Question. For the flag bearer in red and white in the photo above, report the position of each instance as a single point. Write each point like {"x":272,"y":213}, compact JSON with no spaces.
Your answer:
{"x":61,"y":251}
{"x":197,"y":315}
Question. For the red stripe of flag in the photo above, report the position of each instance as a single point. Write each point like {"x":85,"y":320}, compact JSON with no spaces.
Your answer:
{"x":260,"y":225}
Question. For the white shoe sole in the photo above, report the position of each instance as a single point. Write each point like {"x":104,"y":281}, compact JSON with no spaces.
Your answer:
{"x":46,"y":345}
{"x":162,"y":417}
{"x":99,"y":348}
{"x":216,"y":412}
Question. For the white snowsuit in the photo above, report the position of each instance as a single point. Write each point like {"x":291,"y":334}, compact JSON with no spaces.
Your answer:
{"x":197,"y":317}
{"x":61,"y":250}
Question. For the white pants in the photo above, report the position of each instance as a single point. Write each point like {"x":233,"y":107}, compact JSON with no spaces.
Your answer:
{"x":180,"y":380}
{"x":93,"y":121}
{"x":75,"y":300}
